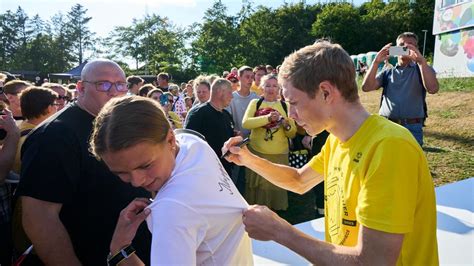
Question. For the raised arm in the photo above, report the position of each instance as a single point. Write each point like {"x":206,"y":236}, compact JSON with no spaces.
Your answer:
{"x":370,"y":83}
{"x":428,"y":76}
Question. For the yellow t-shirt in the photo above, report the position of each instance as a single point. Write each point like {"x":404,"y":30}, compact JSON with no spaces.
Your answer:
{"x":279,"y":143}
{"x":17,"y":164}
{"x":379,"y":178}
{"x":256,"y":89}
{"x":175,"y":120}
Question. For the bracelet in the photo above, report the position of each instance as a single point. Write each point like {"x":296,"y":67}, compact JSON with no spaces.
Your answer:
{"x":123,"y":254}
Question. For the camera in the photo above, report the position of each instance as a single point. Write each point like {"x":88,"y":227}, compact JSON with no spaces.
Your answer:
{"x":398,"y":50}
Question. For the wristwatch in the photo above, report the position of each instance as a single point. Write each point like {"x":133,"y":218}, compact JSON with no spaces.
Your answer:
{"x":124,"y":253}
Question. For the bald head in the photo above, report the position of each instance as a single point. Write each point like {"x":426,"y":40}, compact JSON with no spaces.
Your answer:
{"x":93,"y":67}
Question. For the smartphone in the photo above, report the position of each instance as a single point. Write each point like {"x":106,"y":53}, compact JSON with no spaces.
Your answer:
{"x":398,"y":50}
{"x":240,"y":144}
{"x":3,"y":132}
{"x":163,"y":99}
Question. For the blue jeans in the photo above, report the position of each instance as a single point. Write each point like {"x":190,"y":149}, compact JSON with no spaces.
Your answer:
{"x":417,"y":131}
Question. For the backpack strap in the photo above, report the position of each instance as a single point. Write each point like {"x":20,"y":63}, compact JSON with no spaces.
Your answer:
{"x":174,"y":104}
{"x":259,"y":102}
{"x":285,"y":108}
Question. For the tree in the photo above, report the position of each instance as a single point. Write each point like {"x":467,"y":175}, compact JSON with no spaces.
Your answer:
{"x":214,"y":49}
{"x":341,"y":23}
{"x":153,"y":41}
{"x":62,"y":44}
{"x":78,"y":32}
{"x":422,"y":19}
{"x":9,"y":39}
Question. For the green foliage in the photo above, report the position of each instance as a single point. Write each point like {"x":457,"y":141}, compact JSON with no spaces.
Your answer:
{"x":81,"y":38}
{"x":253,"y":36}
{"x":153,"y":42}
{"x":214,"y":49}
{"x":339,"y":22}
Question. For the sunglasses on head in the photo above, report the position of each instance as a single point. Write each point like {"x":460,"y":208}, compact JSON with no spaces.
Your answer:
{"x":63,"y":98}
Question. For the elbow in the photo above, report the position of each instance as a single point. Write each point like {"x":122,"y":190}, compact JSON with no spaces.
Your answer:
{"x":366,"y":87}
{"x":245,"y":125}
{"x":433,"y":89}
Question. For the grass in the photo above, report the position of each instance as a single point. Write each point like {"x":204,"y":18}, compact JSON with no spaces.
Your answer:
{"x":457,"y":84}
{"x":448,"y":137}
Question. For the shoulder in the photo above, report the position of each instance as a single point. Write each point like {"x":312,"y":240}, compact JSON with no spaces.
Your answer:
{"x":66,"y":124}
{"x":199,"y":109}
{"x":188,"y":140}
{"x":253,"y":95}
{"x":385,"y":132}
{"x":254,"y":101}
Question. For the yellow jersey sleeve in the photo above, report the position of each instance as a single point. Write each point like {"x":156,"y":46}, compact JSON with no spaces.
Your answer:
{"x":388,"y":190}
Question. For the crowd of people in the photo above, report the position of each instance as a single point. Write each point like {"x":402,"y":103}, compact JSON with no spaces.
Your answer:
{"x":83,"y":165}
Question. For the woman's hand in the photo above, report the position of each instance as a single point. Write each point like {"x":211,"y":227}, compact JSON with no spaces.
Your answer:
{"x":285,"y":122}
{"x":129,"y":220}
{"x":273,"y":116}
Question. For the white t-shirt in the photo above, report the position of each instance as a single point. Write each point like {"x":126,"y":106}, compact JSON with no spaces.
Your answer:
{"x":196,"y":217}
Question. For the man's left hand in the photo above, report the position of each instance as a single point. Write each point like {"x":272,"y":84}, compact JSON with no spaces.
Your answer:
{"x":263,"y":224}
{"x":415,"y":54}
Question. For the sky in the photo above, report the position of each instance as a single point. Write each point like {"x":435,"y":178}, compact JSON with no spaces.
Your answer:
{"x":106,"y":14}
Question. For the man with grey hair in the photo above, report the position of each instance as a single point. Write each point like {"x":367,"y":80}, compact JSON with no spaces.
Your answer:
{"x":212,"y":120}
{"x":70,"y":200}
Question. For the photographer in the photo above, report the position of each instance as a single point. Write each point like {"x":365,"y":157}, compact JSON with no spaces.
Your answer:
{"x":9,"y":135}
{"x":404,"y":86}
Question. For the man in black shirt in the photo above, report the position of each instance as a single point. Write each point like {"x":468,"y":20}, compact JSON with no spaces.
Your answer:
{"x":71,"y":201}
{"x":212,"y":120}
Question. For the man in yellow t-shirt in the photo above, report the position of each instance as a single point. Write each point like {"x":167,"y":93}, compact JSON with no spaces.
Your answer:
{"x":258,"y":73}
{"x":379,"y":196}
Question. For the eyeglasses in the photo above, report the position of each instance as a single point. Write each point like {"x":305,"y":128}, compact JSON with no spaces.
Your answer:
{"x":105,"y":86}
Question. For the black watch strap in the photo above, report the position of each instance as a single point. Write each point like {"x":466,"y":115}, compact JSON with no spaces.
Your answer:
{"x":124,"y":253}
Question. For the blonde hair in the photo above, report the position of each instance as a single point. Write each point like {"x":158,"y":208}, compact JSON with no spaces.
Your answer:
{"x":306,"y":68}
{"x":267,"y":78}
{"x":51,"y":85}
{"x":127,"y":121}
